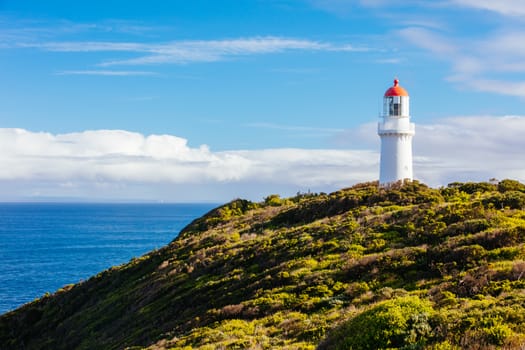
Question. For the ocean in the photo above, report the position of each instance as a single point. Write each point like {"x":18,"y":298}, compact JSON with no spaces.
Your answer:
{"x":44,"y":246}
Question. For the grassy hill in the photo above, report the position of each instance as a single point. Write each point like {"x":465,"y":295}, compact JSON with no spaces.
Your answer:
{"x":363,"y":268}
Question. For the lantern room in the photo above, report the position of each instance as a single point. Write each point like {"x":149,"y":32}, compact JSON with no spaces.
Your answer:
{"x":396,"y":101}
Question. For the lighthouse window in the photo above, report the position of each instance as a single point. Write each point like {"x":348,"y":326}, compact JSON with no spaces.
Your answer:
{"x":390,"y":106}
{"x":397,"y":109}
{"x":394,"y":106}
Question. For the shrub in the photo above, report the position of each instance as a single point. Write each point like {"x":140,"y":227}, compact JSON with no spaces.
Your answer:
{"x":273,"y":200}
{"x":355,"y":289}
{"x":397,"y":323}
{"x":510,"y":185}
{"x":445,"y":346}
{"x":497,"y":334}
{"x":514,"y":199}
{"x":473,"y":187}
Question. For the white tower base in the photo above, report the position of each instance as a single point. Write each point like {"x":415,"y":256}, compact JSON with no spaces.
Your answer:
{"x":396,"y":158}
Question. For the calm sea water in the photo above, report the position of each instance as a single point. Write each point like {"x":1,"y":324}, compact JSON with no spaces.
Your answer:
{"x":44,"y":246}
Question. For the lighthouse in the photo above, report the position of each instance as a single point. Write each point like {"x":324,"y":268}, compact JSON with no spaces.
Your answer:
{"x":395,"y":131}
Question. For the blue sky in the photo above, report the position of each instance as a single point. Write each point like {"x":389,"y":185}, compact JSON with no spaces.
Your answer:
{"x":212,"y":100}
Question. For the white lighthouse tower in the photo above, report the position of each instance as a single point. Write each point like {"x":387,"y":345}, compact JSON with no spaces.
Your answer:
{"x":395,"y":131}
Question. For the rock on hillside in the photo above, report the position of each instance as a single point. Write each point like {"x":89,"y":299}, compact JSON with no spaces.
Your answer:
{"x":363,"y":268}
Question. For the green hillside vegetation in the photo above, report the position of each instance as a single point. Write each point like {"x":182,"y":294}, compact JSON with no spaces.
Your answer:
{"x":410,"y":267}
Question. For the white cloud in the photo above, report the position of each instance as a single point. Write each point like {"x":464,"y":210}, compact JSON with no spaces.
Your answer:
{"x":389,"y":60}
{"x":496,"y":86}
{"x":470,"y":149}
{"x":473,"y":60}
{"x":187,"y":51}
{"x":345,"y":7}
{"x":429,"y":40}
{"x":120,"y":157}
{"x":16,"y":29}
{"x":480,"y":49}
{"x":504,"y":7}
{"x":117,"y":164}
{"x":87,"y":46}
{"x":106,"y":72}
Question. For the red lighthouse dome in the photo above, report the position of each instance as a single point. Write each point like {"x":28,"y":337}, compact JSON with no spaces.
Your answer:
{"x":396,"y":90}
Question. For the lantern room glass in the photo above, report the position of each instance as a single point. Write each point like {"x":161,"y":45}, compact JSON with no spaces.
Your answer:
{"x":395,"y":106}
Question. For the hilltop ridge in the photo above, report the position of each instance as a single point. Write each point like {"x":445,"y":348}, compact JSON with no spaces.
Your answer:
{"x":409,"y":267}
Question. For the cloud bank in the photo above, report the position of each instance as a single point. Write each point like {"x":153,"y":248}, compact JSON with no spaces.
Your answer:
{"x":114,"y":164}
